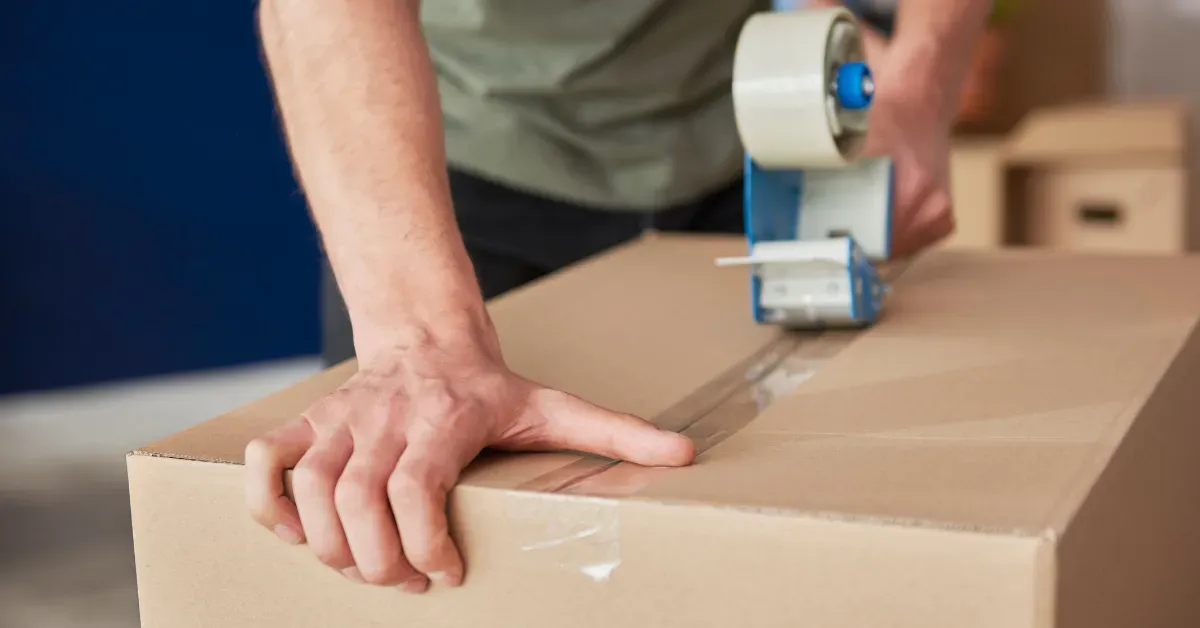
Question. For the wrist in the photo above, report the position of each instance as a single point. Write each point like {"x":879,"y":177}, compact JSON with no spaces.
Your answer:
{"x":444,"y":312}
{"x":934,"y":72}
{"x":460,"y":335}
{"x":935,"y":44}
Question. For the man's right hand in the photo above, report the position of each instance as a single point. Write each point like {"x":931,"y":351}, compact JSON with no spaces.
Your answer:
{"x":374,"y":461}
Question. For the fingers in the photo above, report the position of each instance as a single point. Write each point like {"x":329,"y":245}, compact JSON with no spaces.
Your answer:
{"x":573,"y":423}
{"x":929,"y":222}
{"x":417,"y":491}
{"x":935,"y":220}
{"x":371,"y":533}
{"x":313,"y":484}
{"x":906,"y":234}
{"x":267,"y":458}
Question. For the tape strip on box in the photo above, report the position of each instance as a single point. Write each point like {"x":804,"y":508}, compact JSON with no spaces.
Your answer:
{"x":573,"y":513}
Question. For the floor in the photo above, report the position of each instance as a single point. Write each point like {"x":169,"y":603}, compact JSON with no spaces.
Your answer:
{"x":65,"y":548}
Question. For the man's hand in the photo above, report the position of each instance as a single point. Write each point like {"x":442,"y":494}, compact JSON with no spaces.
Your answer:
{"x":375,"y":460}
{"x":909,"y":123}
{"x":919,"y":76}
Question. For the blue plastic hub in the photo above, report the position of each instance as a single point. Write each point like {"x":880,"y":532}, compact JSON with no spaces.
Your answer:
{"x":855,"y":86}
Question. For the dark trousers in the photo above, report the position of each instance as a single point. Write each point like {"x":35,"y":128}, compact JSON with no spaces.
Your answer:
{"x":514,"y":237}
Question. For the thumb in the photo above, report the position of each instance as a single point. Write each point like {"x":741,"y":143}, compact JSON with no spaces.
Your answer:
{"x":573,"y":423}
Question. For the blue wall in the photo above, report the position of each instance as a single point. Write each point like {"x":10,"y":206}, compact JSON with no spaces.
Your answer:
{"x":149,"y":222}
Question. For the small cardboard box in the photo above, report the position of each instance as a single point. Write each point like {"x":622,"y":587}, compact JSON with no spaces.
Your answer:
{"x":978,"y":176}
{"x":1015,"y":444}
{"x":1098,"y":177}
{"x":1109,"y":177}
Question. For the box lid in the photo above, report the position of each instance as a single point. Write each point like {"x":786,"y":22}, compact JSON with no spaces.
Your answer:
{"x":1098,"y":132}
{"x":987,"y":399}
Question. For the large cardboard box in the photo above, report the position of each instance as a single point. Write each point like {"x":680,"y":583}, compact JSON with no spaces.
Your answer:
{"x":1016,"y":444}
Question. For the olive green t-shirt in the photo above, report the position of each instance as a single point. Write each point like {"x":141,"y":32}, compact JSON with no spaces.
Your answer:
{"x":621,"y":104}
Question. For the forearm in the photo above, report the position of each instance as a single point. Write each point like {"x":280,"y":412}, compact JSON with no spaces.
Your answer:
{"x":939,"y":37}
{"x":359,"y":103}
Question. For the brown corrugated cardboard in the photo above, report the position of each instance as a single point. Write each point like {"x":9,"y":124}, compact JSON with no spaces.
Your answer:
{"x":978,"y":174}
{"x":1014,"y":445}
{"x":1150,"y":132}
{"x":1092,"y":177}
{"x":1109,"y":177}
{"x":1136,"y":209}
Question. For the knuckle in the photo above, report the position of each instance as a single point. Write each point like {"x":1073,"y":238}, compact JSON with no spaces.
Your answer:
{"x":381,"y":573}
{"x":422,"y":559}
{"x":435,"y":400}
{"x":332,"y":556}
{"x":946,"y":222}
{"x":326,"y":409}
{"x":353,"y":492}
{"x":260,"y":450}
{"x":424,"y":552}
{"x":260,"y":515}
{"x":923,"y":179}
{"x":407,"y":488}
{"x":342,"y":399}
{"x":311,"y":477}
{"x":547,"y":402}
{"x":392,"y":399}
{"x":325,"y":405}
{"x":377,"y":413}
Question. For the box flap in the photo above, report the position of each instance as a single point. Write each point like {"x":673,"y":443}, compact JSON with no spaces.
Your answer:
{"x":988,"y":398}
{"x":612,"y":330}
{"x":1155,"y":130}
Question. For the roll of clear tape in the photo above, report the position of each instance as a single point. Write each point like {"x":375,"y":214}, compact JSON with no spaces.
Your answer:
{"x":783,"y":69}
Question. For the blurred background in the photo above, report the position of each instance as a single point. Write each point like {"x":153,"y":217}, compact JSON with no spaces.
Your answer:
{"x":158,"y":266}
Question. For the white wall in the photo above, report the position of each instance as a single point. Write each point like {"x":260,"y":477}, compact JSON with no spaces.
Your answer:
{"x":1156,"y":52}
{"x":1156,"y":47}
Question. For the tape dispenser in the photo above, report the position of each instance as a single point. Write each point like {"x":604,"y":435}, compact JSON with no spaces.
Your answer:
{"x":818,"y":215}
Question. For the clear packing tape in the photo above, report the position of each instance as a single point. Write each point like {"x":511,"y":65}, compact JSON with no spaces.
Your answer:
{"x":574,"y":522}
{"x":709,"y":415}
{"x":785,"y":75}
{"x":784,"y":70}
{"x":577,"y":526}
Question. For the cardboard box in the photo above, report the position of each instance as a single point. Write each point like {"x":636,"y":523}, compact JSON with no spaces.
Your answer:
{"x":1014,"y":445}
{"x":1100,"y":177}
{"x":978,"y":176}
{"x":1109,"y":177}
